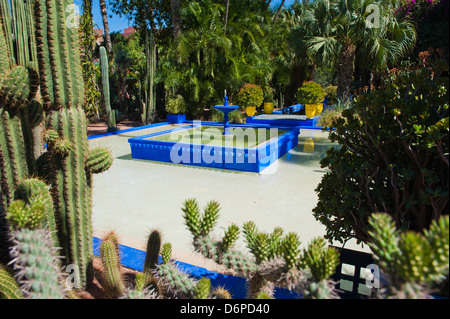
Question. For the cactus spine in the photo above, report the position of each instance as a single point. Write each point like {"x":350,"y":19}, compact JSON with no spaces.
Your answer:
{"x":111,"y":118}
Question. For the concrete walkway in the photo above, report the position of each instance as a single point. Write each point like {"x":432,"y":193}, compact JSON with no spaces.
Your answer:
{"x":135,"y":196}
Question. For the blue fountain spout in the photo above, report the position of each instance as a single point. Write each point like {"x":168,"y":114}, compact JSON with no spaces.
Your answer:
{"x":225,"y":109}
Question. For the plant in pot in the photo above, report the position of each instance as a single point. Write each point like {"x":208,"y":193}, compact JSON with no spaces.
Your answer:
{"x":249,"y":97}
{"x":311,"y":94}
{"x":176,"y":109}
{"x":269,"y":101}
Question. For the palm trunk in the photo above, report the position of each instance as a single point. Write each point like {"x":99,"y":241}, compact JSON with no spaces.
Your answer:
{"x":176,"y":20}
{"x":107,"y":36}
{"x":278,"y":11}
{"x":227,"y":7}
{"x":345,"y":70}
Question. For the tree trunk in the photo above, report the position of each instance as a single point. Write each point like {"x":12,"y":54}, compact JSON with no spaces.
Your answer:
{"x":106,"y":34}
{"x":278,"y":11}
{"x":227,"y":7}
{"x":345,"y":70}
{"x":176,"y":20}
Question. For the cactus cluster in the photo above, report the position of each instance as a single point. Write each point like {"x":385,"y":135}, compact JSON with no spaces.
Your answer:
{"x":412,"y":262}
{"x":275,"y":259}
{"x":39,"y":49}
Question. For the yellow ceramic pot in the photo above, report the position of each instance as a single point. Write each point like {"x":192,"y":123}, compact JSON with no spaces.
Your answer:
{"x":310,"y":110}
{"x":250,"y":110}
{"x":319,"y":108}
{"x":268,"y":107}
{"x":308,"y":147}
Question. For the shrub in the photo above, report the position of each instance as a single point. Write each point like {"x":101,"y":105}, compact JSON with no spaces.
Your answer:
{"x":250,"y":95}
{"x":393,"y":157}
{"x":269,"y":94}
{"x":331,"y":92}
{"x":233,"y":117}
{"x":310,"y":93}
{"x":176,"y":105}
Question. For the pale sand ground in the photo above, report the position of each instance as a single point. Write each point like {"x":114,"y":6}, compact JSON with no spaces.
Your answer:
{"x":135,"y":196}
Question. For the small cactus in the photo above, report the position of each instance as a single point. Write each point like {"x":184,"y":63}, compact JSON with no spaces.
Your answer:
{"x":166,"y":253}
{"x":113,"y":282}
{"x":203,"y":288}
{"x":178,"y":281}
{"x":153,"y":250}
{"x":221,"y":293}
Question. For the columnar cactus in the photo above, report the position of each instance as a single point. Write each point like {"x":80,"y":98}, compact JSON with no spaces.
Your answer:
{"x":36,"y":264}
{"x":111,"y":118}
{"x":18,"y":85}
{"x":112,"y":279}
{"x":64,"y":167}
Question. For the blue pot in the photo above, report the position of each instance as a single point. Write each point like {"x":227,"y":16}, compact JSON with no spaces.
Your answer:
{"x":176,"y":118}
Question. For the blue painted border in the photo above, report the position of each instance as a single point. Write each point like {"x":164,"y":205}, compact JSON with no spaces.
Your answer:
{"x":118,"y":132}
{"x":134,"y":258}
{"x":232,"y":158}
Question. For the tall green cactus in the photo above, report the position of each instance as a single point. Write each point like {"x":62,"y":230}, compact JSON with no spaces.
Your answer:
{"x":111,"y":117}
{"x":58,"y":54}
{"x":71,"y":189}
{"x":18,"y":87}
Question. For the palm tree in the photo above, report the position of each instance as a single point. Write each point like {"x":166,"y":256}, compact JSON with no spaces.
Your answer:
{"x":340,"y":28}
{"x":106,"y":33}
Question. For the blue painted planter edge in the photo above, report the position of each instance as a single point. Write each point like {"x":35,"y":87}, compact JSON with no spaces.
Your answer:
{"x":134,"y":258}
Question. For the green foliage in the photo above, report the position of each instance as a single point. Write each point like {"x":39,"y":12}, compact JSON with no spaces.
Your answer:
{"x":176,"y":105}
{"x":310,"y":93}
{"x":331,"y":94}
{"x":392,"y":156}
{"x":235,"y":116}
{"x":250,"y":95}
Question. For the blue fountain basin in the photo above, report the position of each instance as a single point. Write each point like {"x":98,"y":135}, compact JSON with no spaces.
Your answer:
{"x":228,"y":154}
